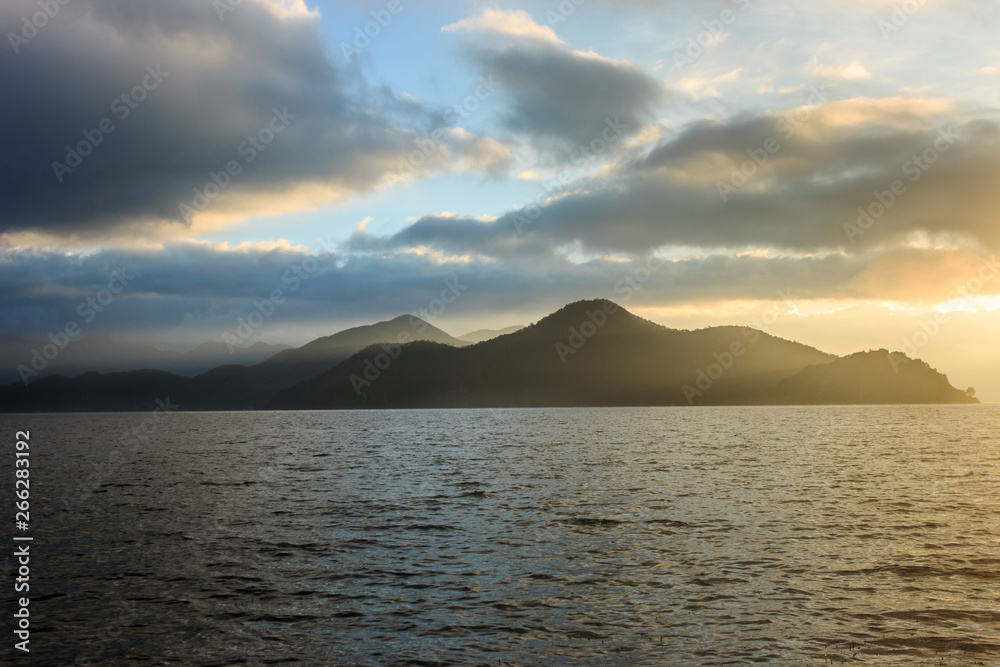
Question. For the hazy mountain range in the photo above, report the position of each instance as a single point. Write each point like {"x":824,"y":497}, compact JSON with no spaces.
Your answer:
{"x":481,"y":335}
{"x":589,"y":353}
{"x":106,"y":355}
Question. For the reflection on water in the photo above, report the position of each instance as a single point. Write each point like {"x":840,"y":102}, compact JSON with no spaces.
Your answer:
{"x":611,"y":536}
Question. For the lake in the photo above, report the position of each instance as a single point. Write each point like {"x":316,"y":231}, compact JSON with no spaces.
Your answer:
{"x":639,"y":536}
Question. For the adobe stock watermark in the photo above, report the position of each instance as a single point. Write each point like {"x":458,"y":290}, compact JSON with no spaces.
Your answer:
{"x":122,"y":107}
{"x":787,"y":126}
{"x":562,"y":12}
{"x":381,"y":19}
{"x":705,"y":378}
{"x":264,"y":309}
{"x":713,"y":32}
{"x":928,"y":329}
{"x":278,"y":459}
{"x":583,"y":332}
{"x":31,"y":25}
{"x":88,"y":310}
{"x":223,"y":7}
{"x":373,"y":368}
{"x":132,"y":439}
{"x":437,"y":306}
{"x":428,"y":146}
{"x":629,"y":284}
{"x":249,"y":149}
{"x":915,"y":167}
{"x":901,"y":15}
{"x":613,"y":132}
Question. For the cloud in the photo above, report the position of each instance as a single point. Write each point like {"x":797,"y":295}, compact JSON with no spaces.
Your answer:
{"x":145,"y":103}
{"x":559,"y":98}
{"x":360,"y":229}
{"x":198,"y":290}
{"x":699,"y":87}
{"x":510,"y":23}
{"x":713,"y":184}
{"x":478,"y":154}
{"x":853,"y":72}
{"x":900,"y":112}
{"x":923,"y":275}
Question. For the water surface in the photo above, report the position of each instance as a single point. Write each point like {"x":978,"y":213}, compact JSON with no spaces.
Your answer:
{"x":650,"y":536}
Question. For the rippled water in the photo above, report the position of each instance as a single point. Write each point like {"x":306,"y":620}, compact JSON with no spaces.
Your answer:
{"x":611,"y":536}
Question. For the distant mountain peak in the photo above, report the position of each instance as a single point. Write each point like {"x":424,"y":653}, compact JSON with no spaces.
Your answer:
{"x":588,"y":304}
{"x":598,"y":316}
{"x":406,"y":327}
{"x":404,"y":320}
{"x":482,"y":335}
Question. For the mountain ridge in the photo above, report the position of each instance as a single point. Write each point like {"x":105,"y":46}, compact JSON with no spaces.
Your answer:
{"x":482,"y":335}
{"x":587,"y":353}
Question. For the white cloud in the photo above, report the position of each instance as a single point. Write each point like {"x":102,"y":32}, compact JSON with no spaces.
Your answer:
{"x":853,"y":72}
{"x":516,"y":23}
{"x":290,"y":9}
{"x":360,"y":229}
{"x":700,"y":86}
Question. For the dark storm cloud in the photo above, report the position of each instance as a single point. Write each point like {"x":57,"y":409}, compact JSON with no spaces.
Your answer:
{"x":802,"y":192}
{"x":218,"y":82}
{"x":563,"y":100}
{"x":200,"y":290}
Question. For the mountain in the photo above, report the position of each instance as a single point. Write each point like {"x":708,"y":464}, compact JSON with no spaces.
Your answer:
{"x":234,"y":387}
{"x":251,"y":387}
{"x":213,"y":354}
{"x":871,"y":377}
{"x":590,"y":353}
{"x":226,"y":387}
{"x":78,"y":356}
{"x":593,"y":353}
{"x":481,"y":335}
{"x":107,"y":355}
{"x":340,"y":346}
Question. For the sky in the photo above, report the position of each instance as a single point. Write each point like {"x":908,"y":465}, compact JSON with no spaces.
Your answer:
{"x":826,"y":171}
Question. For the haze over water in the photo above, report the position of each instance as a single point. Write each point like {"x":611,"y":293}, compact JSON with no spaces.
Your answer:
{"x":554,"y":536}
